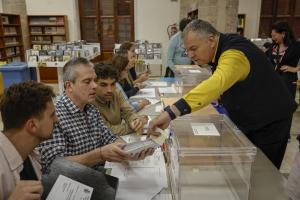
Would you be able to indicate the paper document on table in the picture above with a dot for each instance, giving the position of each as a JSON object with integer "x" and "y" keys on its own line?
{"x": 194, "y": 71}
{"x": 205, "y": 129}
{"x": 153, "y": 101}
{"x": 140, "y": 179}
{"x": 145, "y": 93}
{"x": 158, "y": 84}
{"x": 68, "y": 189}
{"x": 167, "y": 90}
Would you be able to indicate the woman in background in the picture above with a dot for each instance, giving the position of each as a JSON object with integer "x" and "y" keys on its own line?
{"x": 128, "y": 49}
{"x": 121, "y": 64}
{"x": 284, "y": 54}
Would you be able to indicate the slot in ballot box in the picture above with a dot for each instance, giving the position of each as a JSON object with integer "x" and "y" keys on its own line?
{"x": 209, "y": 158}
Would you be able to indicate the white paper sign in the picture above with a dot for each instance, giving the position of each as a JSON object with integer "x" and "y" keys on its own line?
{"x": 68, "y": 189}
{"x": 167, "y": 90}
{"x": 205, "y": 129}
{"x": 195, "y": 71}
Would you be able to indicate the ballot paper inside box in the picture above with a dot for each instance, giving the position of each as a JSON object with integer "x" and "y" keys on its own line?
{"x": 208, "y": 156}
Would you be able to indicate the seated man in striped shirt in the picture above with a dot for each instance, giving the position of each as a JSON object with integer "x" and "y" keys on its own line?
{"x": 81, "y": 134}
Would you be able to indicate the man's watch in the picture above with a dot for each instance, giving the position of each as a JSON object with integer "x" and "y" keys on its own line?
{"x": 170, "y": 112}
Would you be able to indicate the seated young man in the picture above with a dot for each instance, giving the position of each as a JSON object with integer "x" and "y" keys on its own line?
{"x": 28, "y": 117}
{"x": 81, "y": 135}
{"x": 120, "y": 117}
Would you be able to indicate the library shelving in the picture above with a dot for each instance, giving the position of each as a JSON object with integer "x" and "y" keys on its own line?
{"x": 11, "y": 40}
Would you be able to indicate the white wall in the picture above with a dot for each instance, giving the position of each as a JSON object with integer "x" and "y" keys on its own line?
{"x": 152, "y": 18}
{"x": 58, "y": 7}
{"x": 252, "y": 11}
{"x": 1, "y": 7}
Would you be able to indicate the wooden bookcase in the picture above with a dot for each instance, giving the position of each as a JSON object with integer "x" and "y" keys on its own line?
{"x": 11, "y": 40}
{"x": 241, "y": 24}
{"x": 45, "y": 30}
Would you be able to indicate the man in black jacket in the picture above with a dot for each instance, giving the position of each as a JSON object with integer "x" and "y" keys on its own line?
{"x": 255, "y": 97}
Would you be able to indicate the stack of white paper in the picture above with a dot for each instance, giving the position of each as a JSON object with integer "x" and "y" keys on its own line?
{"x": 167, "y": 90}
{"x": 145, "y": 93}
{"x": 158, "y": 84}
{"x": 140, "y": 179}
{"x": 194, "y": 71}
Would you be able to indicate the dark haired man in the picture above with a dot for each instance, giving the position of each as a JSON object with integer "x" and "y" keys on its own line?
{"x": 112, "y": 104}
{"x": 28, "y": 117}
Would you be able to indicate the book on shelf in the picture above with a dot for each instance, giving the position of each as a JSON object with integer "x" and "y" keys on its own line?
{"x": 43, "y": 53}
{"x": 52, "y": 53}
{"x": 41, "y": 39}
{"x": 35, "y": 52}
{"x": 8, "y": 41}
{"x": 36, "y": 30}
{"x": 66, "y": 58}
{"x": 10, "y": 31}
{"x": 50, "y": 30}
{"x": 59, "y": 58}
{"x": 53, "y": 47}
{"x": 5, "y": 19}
{"x": 16, "y": 59}
{"x": 60, "y": 30}
{"x": 52, "y": 20}
{"x": 38, "y": 20}
{"x": 37, "y": 47}
{"x": 32, "y": 58}
{"x": 60, "y": 21}
{"x": 67, "y": 53}
{"x": 12, "y": 51}
{"x": 45, "y": 58}
{"x": 46, "y": 47}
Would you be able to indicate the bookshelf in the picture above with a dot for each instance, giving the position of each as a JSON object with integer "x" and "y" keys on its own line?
{"x": 45, "y": 30}
{"x": 241, "y": 24}
{"x": 11, "y": 40}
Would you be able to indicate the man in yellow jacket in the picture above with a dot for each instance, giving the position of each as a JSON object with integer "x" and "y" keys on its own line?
{"x": 255, "y": 97}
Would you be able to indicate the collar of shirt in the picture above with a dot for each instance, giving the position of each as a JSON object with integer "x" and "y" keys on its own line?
{"x": 214, "y": 58}
{"x": 103, "y": 102}
{"x": 72, "y": 108}
{"x": 13, "y": 157}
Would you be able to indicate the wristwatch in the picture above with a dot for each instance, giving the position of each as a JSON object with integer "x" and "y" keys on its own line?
{"x": 170, "y": 112}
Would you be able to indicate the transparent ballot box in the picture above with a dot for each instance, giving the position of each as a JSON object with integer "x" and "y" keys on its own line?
{"x": 191, "y": 75}
{"x": 209, "y": 158}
